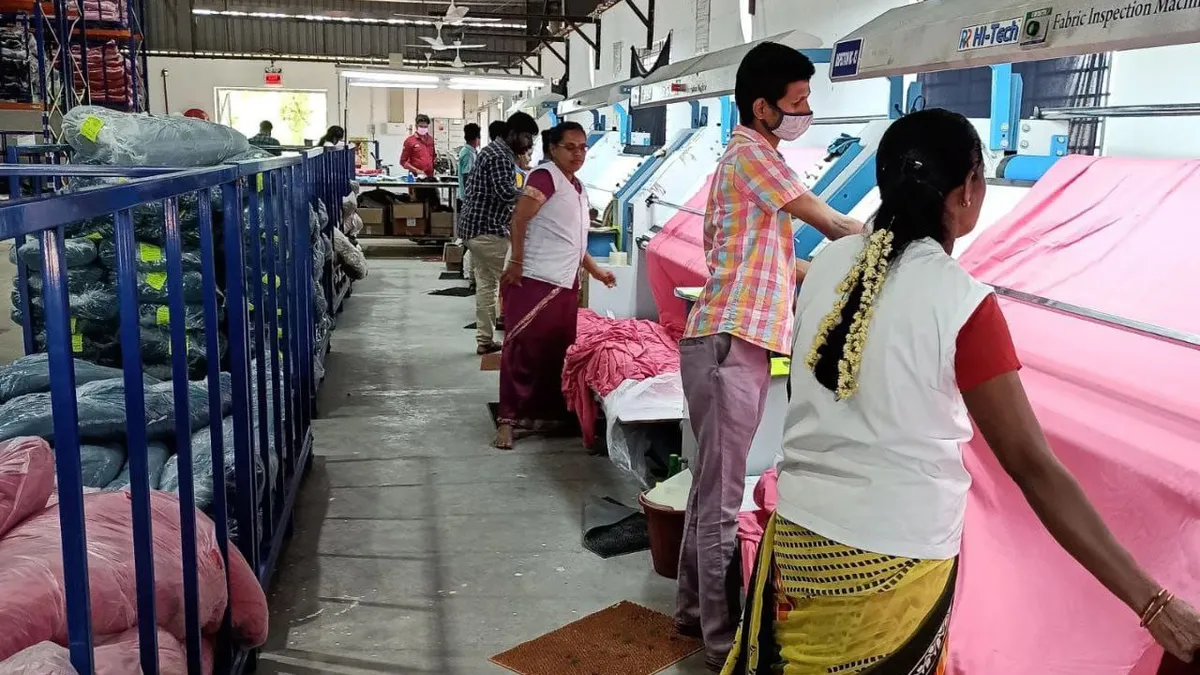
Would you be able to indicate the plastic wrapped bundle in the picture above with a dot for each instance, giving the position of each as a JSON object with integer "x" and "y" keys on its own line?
{"x": 156, "y": 459}
{"x": 77, "y": 277}
{"x": 101, "y": 410}
{"x": 156, "y": 351}
{"x": 150, "y": 257}
{"x": 159, "y": 316}
{"x": 153, "y": 287}
{"x": 94, "y": 301}
{"x": 122, "y": 139}
{"x": 77, "y": 252}
{"x": 149, "y": 220}
{"x": 352, "y": 259}
{"x": 31, "y": 374}
{"x": 89, "y": 341}
{"x": 202, "y": 466}
{"x": 101, "y": 464}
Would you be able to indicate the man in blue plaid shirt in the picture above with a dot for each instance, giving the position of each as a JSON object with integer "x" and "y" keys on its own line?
{"x": 491, "y": 191}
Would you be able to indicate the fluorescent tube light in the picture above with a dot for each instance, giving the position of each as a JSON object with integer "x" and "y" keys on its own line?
{"x": 324, "y": 18}
{"x": 393, "y": 76}
{"x": 391, "y": 85}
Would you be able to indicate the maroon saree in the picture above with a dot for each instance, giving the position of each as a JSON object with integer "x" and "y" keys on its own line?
{"x": 541, "y": 320}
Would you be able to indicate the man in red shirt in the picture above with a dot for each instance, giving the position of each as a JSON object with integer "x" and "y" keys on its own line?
{"x": 417, "y": 155}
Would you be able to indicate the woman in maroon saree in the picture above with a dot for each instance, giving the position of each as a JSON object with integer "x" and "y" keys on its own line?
{"x": 539, "y": 289}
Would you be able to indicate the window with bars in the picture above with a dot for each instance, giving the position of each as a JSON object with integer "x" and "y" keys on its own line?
{"x": 1054, "y": 83}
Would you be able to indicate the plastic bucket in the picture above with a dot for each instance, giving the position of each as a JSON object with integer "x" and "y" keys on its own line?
{"x": 666, "y": 536}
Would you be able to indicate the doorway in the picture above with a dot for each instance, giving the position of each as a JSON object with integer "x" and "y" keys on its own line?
{"x": 298, "y": 114}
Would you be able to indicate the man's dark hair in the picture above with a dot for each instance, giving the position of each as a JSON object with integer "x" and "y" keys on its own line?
{"x": 496, "y": 130}
{"x": 471, "y": 132}
{"x": 265, "y": 127}
{"x": 521, "y": 123}
{"x": 555, "y": 135}
{"x": 766, "y": 72}
{"x": 423, "y": 118}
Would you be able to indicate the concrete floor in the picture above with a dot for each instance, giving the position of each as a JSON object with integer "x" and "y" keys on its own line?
{"x": 418, "y": 548}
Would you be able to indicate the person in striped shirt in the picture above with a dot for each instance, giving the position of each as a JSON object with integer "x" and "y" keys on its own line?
{"x": 742, "y": 317}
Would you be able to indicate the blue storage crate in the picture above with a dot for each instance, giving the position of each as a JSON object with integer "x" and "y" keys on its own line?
{"x": 269, "y": 357}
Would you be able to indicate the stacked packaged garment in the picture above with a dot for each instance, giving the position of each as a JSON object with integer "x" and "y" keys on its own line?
{"x": 90, "y": 293}
{"x": 108, "y": 11}
{"x": 109, "y": 75}
{"x": 18, "y": 65}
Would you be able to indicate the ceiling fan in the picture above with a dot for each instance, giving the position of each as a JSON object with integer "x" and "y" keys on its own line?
{"x": 455, "y": 15}
{"x": 437, "y": 44}
{"x": 459, "y": 63}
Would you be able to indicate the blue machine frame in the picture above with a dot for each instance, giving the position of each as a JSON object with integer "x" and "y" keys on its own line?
{"x": 273, "y": 243}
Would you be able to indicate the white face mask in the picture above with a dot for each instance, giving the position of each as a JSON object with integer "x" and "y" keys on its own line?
{"x": 792, "y": 125}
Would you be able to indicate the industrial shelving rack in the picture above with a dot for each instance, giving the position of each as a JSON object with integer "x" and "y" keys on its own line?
{"x": 77, "y": 52}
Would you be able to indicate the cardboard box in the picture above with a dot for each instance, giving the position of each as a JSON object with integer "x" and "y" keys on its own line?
{"x": 373, "y": 230}
{"x": 405, "y": 210}
{"x": 452, "y": 255}
{"x": 441, "y": 224}
{"x": 372, "y": 216}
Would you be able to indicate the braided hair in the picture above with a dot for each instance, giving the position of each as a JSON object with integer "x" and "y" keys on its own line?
{"x": 921, "y": 159}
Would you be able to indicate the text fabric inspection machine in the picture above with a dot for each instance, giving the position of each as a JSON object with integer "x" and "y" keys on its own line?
{"x": 1102, "y": 306}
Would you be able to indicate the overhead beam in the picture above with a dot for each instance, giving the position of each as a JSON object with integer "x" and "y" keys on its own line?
{"x": 536, "y": 71}
{"x": 639, "y": 14}
{"x": 554, "y": 51}
{"x": 472, "y": 31}
{"x": 528, "y": 16}
{"x": 468, "y": 52}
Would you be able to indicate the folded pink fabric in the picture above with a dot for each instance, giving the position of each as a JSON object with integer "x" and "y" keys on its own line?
{"x": 606, "y": 353}
{"x": 1121, "y": 410}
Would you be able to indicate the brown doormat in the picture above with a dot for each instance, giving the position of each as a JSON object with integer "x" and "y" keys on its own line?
{"x": 625, "y": 639}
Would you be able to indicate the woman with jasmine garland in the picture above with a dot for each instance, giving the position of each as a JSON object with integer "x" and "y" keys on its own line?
{"x": 856, "y": 570}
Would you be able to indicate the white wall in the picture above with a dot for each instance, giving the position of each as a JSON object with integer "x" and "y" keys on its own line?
{"x": 191, "y": 82}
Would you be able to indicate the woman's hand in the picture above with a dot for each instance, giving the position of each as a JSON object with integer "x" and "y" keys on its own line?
{"x": 605, "y": 277}
{"x": 513, "y": 273}
{"x": 1177, "y": 629}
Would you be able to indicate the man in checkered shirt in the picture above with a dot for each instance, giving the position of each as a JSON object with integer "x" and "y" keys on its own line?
{"x": 491, "y": 191}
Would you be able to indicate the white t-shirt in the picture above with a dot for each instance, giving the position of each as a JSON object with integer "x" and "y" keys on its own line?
{"x": 883, "y": 471}
{"x": 556, "y": 237}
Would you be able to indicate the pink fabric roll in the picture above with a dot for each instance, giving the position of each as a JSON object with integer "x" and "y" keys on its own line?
{"x": 1121, "y": 410}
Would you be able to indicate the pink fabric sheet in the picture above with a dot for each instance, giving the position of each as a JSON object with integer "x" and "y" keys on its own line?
{"x": 1121, "y": 410}
{"x": 675, "y": 258}
{"x": 32, "y": 594}
{"x": 606, "y": 353}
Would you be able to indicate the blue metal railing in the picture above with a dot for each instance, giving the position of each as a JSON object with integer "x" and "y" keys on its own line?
{"x": 263, "y": 305}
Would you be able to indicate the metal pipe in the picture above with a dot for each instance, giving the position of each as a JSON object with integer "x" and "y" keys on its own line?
{"x": 853, "y": 119}
{"x": 686, "y": 209}
{"x": 1156, "y": 110}
{"x": 1103, "y": 318}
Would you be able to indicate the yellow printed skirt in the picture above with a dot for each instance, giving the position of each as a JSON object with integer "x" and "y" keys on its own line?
{"x": 817, "y": 607}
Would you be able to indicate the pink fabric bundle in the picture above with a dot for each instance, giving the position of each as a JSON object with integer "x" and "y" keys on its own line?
{"x": 109, "y": 76}
{"x": 32, "y": 595}
{"x": 675, "y": 258}
{"x": 1120, "y": 410}
{"x": 753, "y": 524}
{"x": 606, "y": 353}
{"x": 112, "y": 11}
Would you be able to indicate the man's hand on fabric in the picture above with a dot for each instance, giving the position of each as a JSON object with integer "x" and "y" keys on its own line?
{"x": 513, "y": 273}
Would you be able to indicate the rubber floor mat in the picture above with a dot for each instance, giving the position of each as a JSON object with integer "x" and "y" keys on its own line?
{"x": 625, "y": 639}
{"x": 456, "y": 291}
